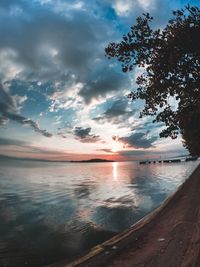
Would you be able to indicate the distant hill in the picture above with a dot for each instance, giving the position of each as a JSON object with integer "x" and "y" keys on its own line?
{"x": 92, "y": 160}
{"x": 4, "y": 157}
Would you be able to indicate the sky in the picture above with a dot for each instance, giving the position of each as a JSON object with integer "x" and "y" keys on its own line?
{"x": 60, "y": 97}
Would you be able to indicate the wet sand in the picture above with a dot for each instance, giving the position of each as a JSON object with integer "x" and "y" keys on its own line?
{"x": 169, "y": 237}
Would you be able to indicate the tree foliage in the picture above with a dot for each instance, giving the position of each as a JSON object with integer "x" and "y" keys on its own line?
{"x": 171, "y": 59}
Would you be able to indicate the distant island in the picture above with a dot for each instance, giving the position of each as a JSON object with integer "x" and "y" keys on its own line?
{"x": 5, "y": 157}
{"x": 91, "y": 161}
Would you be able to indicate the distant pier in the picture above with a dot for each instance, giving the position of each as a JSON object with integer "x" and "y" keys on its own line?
{"x": 168, "y": 160}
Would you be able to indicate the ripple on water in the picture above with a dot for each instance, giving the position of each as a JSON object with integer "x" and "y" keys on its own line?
{"x": 50, "y": 212}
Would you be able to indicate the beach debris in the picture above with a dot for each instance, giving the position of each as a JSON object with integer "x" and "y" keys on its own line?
{"x": 107, "y": 252}
{"x": 161, "y": 239}
{"x": 114, "y": 247}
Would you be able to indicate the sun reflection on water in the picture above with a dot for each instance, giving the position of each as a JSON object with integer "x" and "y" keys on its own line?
{"x": 115, "y": 170}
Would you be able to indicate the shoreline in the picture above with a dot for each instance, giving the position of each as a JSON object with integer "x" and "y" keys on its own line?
{"x": 167, "y": 237}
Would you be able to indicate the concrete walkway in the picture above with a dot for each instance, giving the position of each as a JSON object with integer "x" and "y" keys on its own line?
{"x": 170, "y": 237}
{"x": 173, "y": 239}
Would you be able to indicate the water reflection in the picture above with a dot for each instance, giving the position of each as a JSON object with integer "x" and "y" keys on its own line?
{"x": 60, "y": 210}
{"x": 115, "y": 170}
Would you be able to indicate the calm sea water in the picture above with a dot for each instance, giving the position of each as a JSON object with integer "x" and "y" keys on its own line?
{"x": 51, "y": 212}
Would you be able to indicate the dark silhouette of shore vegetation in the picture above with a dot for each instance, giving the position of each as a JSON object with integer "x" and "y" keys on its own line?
{"x": 171, "y": 61}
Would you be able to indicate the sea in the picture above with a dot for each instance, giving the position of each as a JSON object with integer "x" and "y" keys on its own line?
{"x": 52, "y": 212}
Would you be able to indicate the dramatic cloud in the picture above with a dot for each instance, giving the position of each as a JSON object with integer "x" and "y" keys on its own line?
{"x": 54, "y": 74}
{"x": 9, "y": 110}
{"x": 59, "y": 43}
{"x": 84, "y": 135}
{"x": 137, "y": 140}
{"x": 51, "y": 49}
{"x": 106, "y": 80}
{"x": 118, "y": 113}
{"x": 28, "y": 122}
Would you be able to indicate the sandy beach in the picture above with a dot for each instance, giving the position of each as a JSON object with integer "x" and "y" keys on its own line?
{"x": 169, "y": 237}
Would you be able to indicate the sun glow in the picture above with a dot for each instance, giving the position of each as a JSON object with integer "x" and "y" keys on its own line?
{"x": 114, "y": 149}
{"x": 115, "y": 170}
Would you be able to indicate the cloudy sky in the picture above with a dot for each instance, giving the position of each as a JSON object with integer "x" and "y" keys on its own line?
{"x": 60, "y": 97}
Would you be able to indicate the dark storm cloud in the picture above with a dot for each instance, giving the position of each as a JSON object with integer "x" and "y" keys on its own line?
{"x": 52, "y": 43}
{"x": 46, "y": 40}
{"x": 48, "y": 45}
{"x": 118, "y": 108}
{"x": 81, "y": 132}
{"x": 105, "y": 80}
{"x": 9, "y": 111}
{"x": 137, "y": 140}
{"x": 117, "y": 113}
{"x": 84, "y": 135}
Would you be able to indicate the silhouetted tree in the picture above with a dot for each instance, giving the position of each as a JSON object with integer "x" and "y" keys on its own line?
{"x": 190, "y": 129}
{"x": 171, "y": 61}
